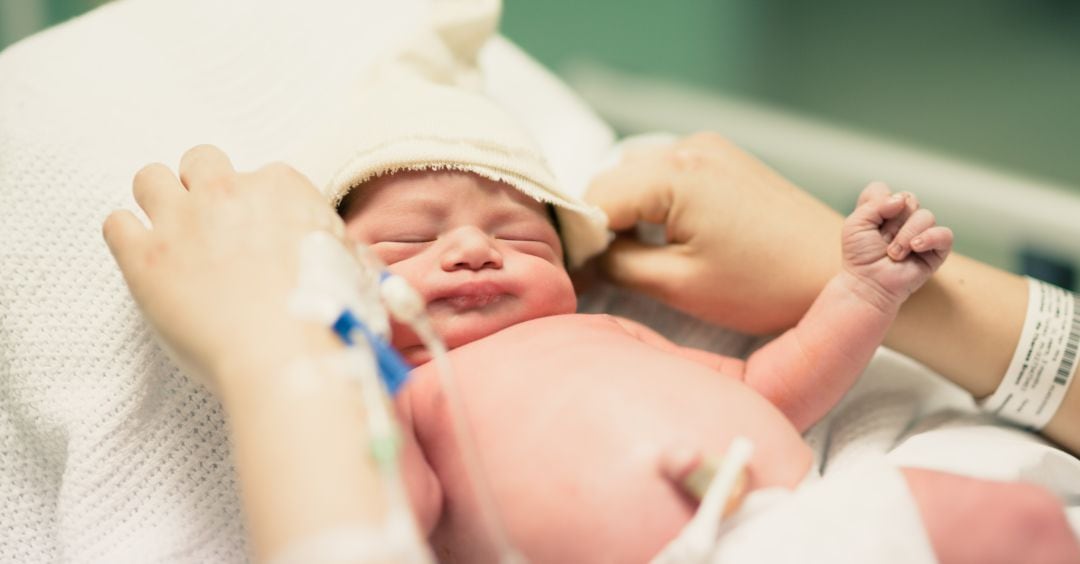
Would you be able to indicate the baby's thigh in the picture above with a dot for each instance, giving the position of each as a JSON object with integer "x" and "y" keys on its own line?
{"x": 972, "y": 520}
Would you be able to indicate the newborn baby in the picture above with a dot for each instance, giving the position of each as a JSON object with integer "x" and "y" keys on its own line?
{"x": 575, "y": 417}
{"x": 572, "y": 414}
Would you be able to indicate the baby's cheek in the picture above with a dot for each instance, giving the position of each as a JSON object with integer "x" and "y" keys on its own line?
{"x": 406, "y": 268}
{"x": 558, "y": 296}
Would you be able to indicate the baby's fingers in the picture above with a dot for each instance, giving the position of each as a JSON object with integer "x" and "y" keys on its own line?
{"x": 933, "y": 245}
{"x": 892, "y": 226}
{"x": 875, "y": 212}
{"x": 938, "y": 238}
{"x": 876, "y": 190}
{"x": 917, "y": 224}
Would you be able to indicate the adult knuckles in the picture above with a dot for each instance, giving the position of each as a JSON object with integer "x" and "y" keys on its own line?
{"x": 198, "y": 151}
{"x": 280, "y": 169}
{"x": 224, "y": 184}
{"x": 709, "y": 140}
{"x": 147, "y": 172}
{"x": 283, "y": 176}
{"x": 699, "y": 150}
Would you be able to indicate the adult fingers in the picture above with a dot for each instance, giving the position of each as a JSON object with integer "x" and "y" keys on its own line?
{"x": 919, "y": 222}
{"x": 637, "y": 190}
{"x": 645, "y": 268}
{"x": 285, "y": 179}
{"x": 284, "y": 183}
{"x": 204, "y": 166}
{"x": 156, "y": 189}
{"x": 646, "y": 145}
{"x": 126, "y": 237}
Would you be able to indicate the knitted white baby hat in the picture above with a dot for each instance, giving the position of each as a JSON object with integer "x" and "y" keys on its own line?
{"x": 401, "y": 120}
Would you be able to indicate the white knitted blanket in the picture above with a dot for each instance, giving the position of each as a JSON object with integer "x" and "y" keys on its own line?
{"x": 107, "y": 452}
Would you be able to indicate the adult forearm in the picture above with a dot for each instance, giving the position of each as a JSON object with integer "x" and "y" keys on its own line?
{"x": 965, "y": 324}
{"x": 299, "y": 445}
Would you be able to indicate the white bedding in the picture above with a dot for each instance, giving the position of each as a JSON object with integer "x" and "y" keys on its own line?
{"x": 107, "y": 452}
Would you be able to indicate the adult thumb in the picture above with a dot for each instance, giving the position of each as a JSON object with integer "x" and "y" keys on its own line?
{"x": 650, "y": 269}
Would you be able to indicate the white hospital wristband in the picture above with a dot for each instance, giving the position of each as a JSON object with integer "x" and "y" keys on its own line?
{"x": 1044, "y": 363}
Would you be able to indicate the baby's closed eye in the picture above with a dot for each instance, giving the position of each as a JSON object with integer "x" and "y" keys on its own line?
{"x": 406, "y": 239}
{"x": 400, "y": 247}
{"x": 538, "y": 244}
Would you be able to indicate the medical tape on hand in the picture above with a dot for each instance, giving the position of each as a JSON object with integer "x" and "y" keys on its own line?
{"x": 1044, "y": 364}
{"x": 343, "y": 290}
{"x": 330, "y": 280}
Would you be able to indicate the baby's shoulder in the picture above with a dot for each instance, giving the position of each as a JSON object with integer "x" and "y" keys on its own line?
{"x": 582, "y": 322}
{"x": 570, "y": 328}
{"x": 619, "y": 329}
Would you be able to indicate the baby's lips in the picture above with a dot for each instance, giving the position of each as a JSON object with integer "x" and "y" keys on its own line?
{"x": 470, "y": 301}
{"x": 466, "y": 288}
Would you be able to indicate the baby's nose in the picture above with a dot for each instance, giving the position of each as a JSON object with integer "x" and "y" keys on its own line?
{"x": 470, "y": 248}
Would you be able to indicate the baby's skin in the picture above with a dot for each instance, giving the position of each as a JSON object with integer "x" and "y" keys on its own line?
{"x": 573, "y": 414}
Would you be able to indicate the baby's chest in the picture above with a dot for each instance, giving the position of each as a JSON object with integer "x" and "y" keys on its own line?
{"x": 566, "y": 405}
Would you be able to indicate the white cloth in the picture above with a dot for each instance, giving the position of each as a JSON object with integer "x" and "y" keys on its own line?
{"x": 422, "y": 109}
{"x": 901, "y": 410}
{"x": 107, "y": 452}
{"x": 861, "y": 513}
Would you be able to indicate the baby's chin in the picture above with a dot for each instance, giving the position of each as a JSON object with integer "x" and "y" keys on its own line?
{"x": 416, "y": 355}
{"x": 460, "y": 330}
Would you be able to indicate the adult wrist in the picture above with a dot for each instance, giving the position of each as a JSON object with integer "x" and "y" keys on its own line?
{"x": 253, "y": 365}
{"x": 1043, "y": 365}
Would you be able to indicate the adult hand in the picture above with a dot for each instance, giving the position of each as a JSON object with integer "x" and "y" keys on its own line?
{"x": 214, "y": 271}
{"x": 745, "y": 248}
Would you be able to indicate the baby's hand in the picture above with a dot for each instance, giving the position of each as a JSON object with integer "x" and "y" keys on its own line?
{"x": 892, "y": 245}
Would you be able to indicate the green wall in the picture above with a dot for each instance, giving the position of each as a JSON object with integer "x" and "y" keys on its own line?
{"x": 994, "y": 81}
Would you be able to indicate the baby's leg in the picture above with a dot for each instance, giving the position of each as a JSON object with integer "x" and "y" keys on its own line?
{"x": 972, "y": 520}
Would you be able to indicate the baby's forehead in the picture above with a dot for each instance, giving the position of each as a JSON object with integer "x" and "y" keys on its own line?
{"x": 420, "y": 188}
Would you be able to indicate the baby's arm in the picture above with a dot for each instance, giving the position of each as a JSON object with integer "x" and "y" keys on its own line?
{"x": 890, "y": 248}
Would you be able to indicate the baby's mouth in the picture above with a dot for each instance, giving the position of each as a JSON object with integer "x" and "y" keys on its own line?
{"x": 467, "y": 302}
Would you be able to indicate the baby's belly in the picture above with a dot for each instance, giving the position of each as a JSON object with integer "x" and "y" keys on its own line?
{"x": 569, "y": 415}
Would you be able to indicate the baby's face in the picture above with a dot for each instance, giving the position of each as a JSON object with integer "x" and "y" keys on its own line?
{"x": 483, "y": 255}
